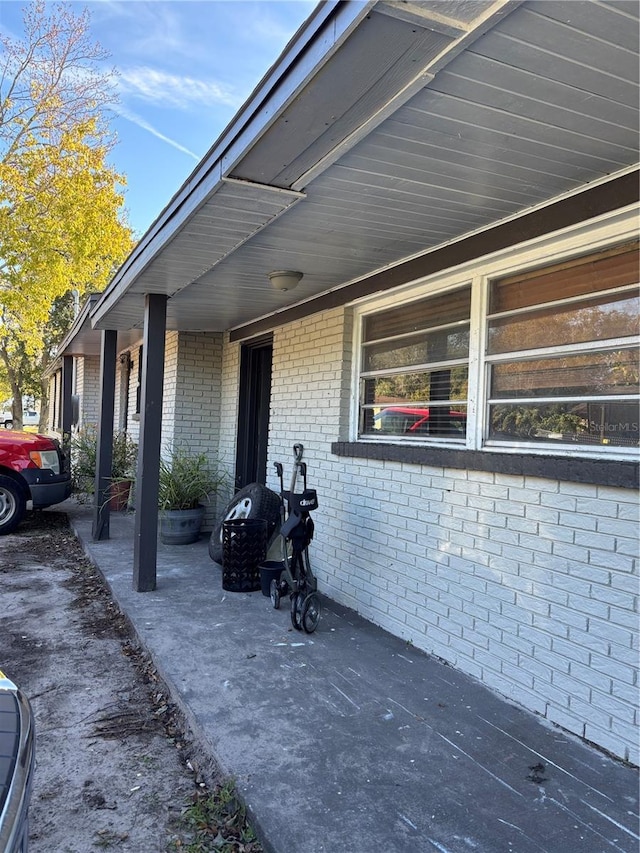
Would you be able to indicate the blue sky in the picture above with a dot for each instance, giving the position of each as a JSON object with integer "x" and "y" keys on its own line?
{"x": 185, "y": 67}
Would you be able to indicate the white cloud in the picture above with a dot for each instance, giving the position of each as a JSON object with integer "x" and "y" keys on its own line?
{"x": 145, "y": 26}
{"x": 136, "y": 119}
{"x": 173, "y": 90}
{"x": 263, "y": 26}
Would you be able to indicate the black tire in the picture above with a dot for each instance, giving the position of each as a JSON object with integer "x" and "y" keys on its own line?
{"x": 296, "y": 610}
{"x": 253, "y": 501}
{"x": 274, "y": 594}
{"x": 8, "y": 424}
{"x": 13, "y": 505}
{"x": 310, "y": 614}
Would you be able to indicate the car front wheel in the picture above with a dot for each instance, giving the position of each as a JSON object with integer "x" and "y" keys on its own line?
{"x": 12, "y": 505}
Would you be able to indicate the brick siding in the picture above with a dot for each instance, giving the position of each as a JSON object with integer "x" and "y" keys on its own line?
{"x": 195, "y": 364}
{"x": 88, "y": 389}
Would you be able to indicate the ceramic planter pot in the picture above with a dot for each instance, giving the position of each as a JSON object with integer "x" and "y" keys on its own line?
{"x": 181, "y": 526}
{"x": 119, "y": 495}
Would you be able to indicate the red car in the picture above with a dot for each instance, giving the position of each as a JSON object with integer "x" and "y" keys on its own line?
{"x": 405, "y": 420}
{"x": 32, "y": 468}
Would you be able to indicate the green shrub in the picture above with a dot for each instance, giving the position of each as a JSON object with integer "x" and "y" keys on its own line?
{"x": 84, "y": 452}
{"x": 187, "y": 479}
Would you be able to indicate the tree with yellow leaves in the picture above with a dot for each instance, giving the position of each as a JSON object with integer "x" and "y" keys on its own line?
{"x": 62, "y": 224}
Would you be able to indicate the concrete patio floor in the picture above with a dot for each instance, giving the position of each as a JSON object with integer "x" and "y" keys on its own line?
{"x": 349, "y": 740}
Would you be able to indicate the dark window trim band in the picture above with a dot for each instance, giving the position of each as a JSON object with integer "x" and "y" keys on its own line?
{"x": 586, "y": 205}
{"x": 598, "y": 472}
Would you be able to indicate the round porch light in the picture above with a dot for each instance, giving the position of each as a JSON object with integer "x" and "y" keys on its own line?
{"x": 284, "y": 279}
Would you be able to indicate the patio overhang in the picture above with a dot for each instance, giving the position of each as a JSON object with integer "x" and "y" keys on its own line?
{"x": 83, "y": 341}
{"x": 386, "y": 130}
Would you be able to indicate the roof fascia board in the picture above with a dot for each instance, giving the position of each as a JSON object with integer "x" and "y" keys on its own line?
{"x": 309, "y": 49}
{"x": 291, "y": 80}
{"x": 53, "y": 367}
{"x": 80, "y": 322}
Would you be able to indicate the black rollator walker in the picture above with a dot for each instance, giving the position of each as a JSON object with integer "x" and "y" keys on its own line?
{"x": 297, "y": 579}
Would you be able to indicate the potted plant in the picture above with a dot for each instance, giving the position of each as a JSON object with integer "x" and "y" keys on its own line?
{"x": 123, "y": 469}
{"x": 84, "y": 447}
{"x": 187, "y": 481}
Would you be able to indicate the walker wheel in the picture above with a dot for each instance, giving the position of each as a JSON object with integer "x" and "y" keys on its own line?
{"x": 296, "y": 611}
{"x": 310, "y": 613}
{"x": 274, "y": 594}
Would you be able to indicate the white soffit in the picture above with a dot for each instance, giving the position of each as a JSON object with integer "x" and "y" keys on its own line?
{"x": 230, "y": 217}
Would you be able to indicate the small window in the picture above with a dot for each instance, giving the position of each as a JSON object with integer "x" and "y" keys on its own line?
{"x": 415, "y": 369}
{"x": 562, "y": 353}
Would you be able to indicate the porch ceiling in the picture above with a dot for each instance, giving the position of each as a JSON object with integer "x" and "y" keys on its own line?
{"x": 420, "y": 123}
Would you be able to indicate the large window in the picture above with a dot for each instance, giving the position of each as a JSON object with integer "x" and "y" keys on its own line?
{"x": 557, "y": 355}
{"x": 415, "y": 369}
{"x": 562, "y": 353}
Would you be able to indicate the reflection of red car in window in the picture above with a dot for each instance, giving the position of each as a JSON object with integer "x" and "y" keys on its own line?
{"x": 404, "y": 420}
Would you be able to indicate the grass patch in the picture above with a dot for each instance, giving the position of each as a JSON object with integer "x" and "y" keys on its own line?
{"x": 215, "y": 822}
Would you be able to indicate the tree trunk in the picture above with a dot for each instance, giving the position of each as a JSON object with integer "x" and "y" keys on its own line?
{"x": 43, "y": 423}
{"x": 16, "y": 406}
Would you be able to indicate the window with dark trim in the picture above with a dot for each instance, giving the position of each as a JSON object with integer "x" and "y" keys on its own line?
{"x": 562, "y": 353}
{"x": 415, "y": 369}
{"x": 555, "y": 356}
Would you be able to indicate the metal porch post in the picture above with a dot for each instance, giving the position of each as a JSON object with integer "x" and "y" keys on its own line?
{"x": 104, "y": 453}
{"x": 145, "y": 544}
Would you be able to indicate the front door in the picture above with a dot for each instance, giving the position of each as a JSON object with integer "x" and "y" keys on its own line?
{"x": 253, "y": 412}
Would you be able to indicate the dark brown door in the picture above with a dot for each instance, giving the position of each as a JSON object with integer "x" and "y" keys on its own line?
{"x": 253, "y": 412}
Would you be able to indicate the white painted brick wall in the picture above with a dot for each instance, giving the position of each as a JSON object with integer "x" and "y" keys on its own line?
{"x": 229, "y": 384}
{"x": 87, "y": 386}
{"x": 133, "y": 418}
{"x": 191, "y": 396}
{"x": 528, "y": 584}
{"x": 88, "y": 389}
{"x": 118, "y": 391}
{"x": 197, "y": 383}
{"x": 171, "y": 352}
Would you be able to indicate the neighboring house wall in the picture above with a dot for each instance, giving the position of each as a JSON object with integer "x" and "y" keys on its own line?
{"x": 88, "y": 389}
{"x": 192, "y": 398}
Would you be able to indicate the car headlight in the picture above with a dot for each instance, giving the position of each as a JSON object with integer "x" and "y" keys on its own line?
{"x": 46, "y": 459}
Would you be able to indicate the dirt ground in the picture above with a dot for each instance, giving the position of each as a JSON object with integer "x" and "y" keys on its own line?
{"x": 116, "y": 768}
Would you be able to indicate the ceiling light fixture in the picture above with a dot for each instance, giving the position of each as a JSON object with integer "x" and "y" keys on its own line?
{"x": 284, "y": 279}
